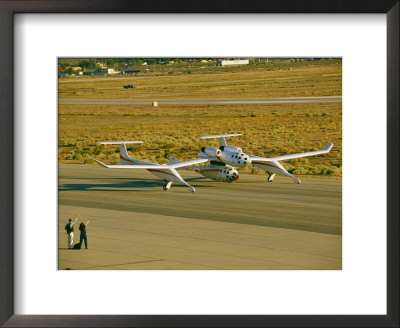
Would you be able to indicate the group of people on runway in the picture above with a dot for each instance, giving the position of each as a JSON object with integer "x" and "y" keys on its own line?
{"x": 69, "y": 227}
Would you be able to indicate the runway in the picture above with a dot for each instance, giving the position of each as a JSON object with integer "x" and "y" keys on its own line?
{"x": 250, "y": 224}
{"x": 200, "y": 101}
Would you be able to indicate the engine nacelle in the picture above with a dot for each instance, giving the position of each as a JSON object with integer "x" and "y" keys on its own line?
{"x": 231, "y": 149}
{"x": 213, "y": 152}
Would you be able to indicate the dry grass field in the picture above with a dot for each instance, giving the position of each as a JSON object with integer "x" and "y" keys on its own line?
{"x": 267, "y": 129}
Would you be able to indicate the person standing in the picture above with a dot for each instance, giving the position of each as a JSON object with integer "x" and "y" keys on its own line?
{"x": 70, "y": 231}
{"x": 83, "y": 237}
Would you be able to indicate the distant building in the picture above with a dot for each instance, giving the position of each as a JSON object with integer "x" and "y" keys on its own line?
{"x": 106, "y": 71}
{"x": 131, "y": 71}
{"x": 94, "y": 73}
{"x": 76, "y": 68}
{"x": 232, "y": 62}
{"x": 62, "y": 74}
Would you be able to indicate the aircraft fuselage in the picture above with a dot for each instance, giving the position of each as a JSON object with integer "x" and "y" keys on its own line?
{"x": 229, "y": 155}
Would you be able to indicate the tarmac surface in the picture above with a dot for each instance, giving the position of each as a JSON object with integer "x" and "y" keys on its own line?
{"x": 247, "y": 225}
{"x": 200, "y": 101}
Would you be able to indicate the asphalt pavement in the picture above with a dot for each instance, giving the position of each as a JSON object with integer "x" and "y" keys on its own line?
{"x": 247, "y": 225}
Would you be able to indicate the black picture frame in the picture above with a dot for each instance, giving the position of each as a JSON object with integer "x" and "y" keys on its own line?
{"x": 7, "y": 11}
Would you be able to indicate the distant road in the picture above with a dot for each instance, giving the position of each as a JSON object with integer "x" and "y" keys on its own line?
{"x": 202, "y": 101}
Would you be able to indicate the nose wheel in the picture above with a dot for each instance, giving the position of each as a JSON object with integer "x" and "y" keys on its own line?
{"x": 167, "y": 185}
{"x": 271, "y": 176}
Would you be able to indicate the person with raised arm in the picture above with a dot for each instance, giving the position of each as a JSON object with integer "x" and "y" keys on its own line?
{"x": 70, "y": 231}
{"x": 83, "y": 237}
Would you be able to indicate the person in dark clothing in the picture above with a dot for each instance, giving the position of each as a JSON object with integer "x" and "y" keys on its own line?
{"x": 83, "y": 237}
{"x": 70, "y": 231}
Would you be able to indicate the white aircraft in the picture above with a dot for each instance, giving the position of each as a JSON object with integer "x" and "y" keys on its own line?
{"x": 167, "y": 172}
{"x": 225, "y": 159}
{"x": 224, "y": 162}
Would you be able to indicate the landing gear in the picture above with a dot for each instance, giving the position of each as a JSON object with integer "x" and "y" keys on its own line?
{"x": 167, "y": 185}
{"x": 271, "y": 176}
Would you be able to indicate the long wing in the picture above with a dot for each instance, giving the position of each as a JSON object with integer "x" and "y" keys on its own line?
{"x": 154, "y": 166}
{"x": 325, "y": 150}
{"x": 166, "y": 172}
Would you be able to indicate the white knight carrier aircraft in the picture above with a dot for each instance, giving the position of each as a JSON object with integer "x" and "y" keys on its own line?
{"x": 223, "y": 166}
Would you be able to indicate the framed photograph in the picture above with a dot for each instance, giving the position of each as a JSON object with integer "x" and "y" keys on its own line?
{"x": 146, "y": 115}
{"x": 277, "y": 92}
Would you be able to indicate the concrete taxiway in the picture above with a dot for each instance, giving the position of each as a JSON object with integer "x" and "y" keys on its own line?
{"x": 200, "y": 101}
{"x": 250, "y": 224}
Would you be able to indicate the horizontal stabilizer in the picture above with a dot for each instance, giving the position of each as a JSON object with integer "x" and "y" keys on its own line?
{"x": 120, "y": 142}
{"x": 221, "y": 136}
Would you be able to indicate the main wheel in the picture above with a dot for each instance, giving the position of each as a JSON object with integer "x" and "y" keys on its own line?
{"x": 271, "y": 177}
{"x": 167, "y": 185}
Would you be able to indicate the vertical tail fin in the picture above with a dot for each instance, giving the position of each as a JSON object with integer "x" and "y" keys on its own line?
{"x": 123, "y": 154}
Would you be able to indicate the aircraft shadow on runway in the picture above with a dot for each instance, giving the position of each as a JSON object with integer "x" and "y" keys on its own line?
{"x": 127, "y": 185}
